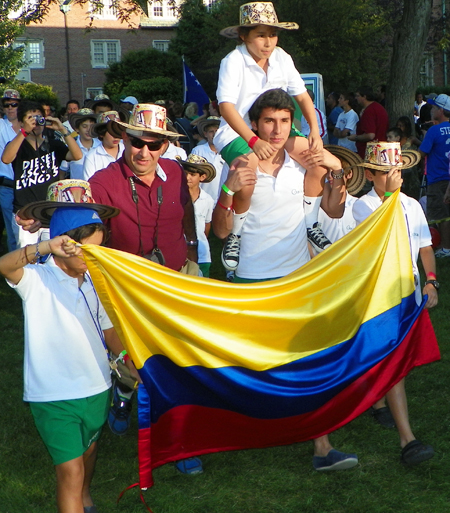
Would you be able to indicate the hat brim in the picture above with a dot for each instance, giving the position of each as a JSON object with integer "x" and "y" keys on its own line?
{"x": 43, "y": 210}
{"x": 205, "y": 169}
{"x": 350, "y": 161}
{"x": 117, "y": 127}
{"x": 201, "y": 125}
{"x": 93, "y": 103}
{"x": 76, "y": 119}
{"x": 410, "y": 159}
{"x": 232, "y": 32}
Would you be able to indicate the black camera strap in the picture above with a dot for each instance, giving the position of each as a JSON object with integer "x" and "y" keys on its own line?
{"x": 135, "y": 198}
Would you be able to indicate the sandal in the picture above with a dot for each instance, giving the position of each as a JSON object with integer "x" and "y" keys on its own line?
{"x": 415, "y": 452}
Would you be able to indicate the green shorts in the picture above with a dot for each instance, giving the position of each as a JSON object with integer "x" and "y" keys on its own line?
{"x": 251, "y": 280}
{"x": 68, "y": 428}
{"x": 204, "y": 268}
{"x": 238, "y": 147}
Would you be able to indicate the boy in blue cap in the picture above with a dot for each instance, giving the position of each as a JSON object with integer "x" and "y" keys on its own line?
{"x": 67, "y": 332}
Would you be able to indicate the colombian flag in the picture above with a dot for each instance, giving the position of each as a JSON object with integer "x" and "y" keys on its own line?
{"x": 232, "y": 366}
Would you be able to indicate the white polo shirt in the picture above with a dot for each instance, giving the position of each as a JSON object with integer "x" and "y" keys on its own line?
{"x": 336, "y": 228}
{"x": 416, "y": 224}
{"x": 213, "y": 187}
{"x": 98, "y": 158}
{"x": 75, "y": 167}
{"x": 273, "y": 239}
{"x": 241, "y": 81}
{"x": 203, "y": 208}
{"x": 64, "y": 355}
{"x": 347, "y": 120}
{"x": 7, "y": 134}
{"x": 173, "y": 151}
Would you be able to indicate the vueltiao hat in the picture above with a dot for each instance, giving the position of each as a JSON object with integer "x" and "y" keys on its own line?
{"x": 381, "y": 156}
{"x": 146, "y": 119}
{"x": 198, "y": 164}
{"x": 75, "y": 194}
{"x": 350, "y": 161}
{"x": 11, "y": 94}
{"x": 78, "y": 117}
{"x": 100, "y": 98}
{"x": 257, "y": 13}
{"x": 203, "y": 123}
{"x": 101, "y": 123}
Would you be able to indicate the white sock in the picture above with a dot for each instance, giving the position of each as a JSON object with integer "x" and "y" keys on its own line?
{"x": 311, "y": 206}
{"x": 238, "y": 222}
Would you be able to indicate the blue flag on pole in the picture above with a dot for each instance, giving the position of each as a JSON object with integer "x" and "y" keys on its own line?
{"x": 193, "y": 91}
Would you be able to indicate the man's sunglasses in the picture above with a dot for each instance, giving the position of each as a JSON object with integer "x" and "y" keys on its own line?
{"x": 152, "y": 146}
{"x": 6, "y": 105}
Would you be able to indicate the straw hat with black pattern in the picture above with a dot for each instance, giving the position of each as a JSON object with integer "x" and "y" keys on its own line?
{"x": 382, "y": 156}
{"x": 11, "y": 94}
{"x": 77, "y": 118}
{"x": 146, "y": 119}
{"x": 203, "y": 123}
{"x": 350, "y": 161}
{"x": 254, "y": 14}
{"x": 197, "y": 164}
{"x": 101, "y": 99}
{"x": 103, "y": 120}
{"x": 65, "y": 193}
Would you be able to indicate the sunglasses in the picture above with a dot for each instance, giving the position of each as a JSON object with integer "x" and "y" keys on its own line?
{"x": 152, "y": 146}
{"x": 6, "y": 105}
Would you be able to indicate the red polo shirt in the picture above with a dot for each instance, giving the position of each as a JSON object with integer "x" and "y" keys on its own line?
{"x": 374, "y": 120}
{"x": 111, "y": 186}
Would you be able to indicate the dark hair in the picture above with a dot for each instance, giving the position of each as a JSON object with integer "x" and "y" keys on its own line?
{"x": 83, "y": 232}
{"x": 397, "y": 131}
{"x": 335, "y": 96}
{"x": 275, "y": 99}
{"x": 407, "y": 132}
{"x": 73, "y": 101}
{"x": 245, "y": 31}
{"x": 367, "y": 91}
{"x": 350, "y": 97}
{"x": 446, "y": 113}
{"x": 27, "y": 105}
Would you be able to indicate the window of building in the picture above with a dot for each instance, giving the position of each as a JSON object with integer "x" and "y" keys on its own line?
{"x": 427, "y": 70}
{"x": 163, "y": 9}
{"x": 92, "y": 92}
{"x": 33, "y": 52}
{"x": 107, "y": 12}
{"x": 104, "y": 52}
{"x": 25, "y": 7}
{"x": 162, "y": 46}
{"x": 210, "y": 4}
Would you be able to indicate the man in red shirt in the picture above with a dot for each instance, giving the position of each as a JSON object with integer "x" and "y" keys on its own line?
{"x": 373, "y": 123}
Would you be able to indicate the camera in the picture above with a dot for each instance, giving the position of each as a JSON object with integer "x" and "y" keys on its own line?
{"x": 41, "y": 121}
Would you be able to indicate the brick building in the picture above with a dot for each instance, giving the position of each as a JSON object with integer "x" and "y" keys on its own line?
{"x": 60, "y": 51}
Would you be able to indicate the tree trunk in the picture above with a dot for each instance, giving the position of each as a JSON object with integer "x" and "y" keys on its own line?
{"x": 409, "y": 43}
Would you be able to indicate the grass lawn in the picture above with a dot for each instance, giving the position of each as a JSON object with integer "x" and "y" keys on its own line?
{"x": 276, "y": 480}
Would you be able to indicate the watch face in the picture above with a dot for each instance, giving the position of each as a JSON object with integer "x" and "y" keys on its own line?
{"x": 435, "y": 283}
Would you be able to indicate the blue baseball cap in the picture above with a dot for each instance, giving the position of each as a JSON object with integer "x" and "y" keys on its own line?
{"x": 68, "y": 218}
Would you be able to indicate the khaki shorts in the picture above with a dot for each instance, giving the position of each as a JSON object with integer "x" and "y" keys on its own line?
{"x": 68, "y": 428}
{"x": 437, "y": 210}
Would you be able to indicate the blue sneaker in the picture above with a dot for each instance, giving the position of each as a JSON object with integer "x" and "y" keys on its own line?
{"x": 190, "y": 466}
{"x": 335, "y": 460}
{"x": 119, "y": 414}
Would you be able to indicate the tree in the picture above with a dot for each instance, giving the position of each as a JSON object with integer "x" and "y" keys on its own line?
{"x": 409, "y": 42}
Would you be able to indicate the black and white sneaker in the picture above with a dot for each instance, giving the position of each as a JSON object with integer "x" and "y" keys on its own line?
{"x": 317, "y": 238}
{"x": 230, "y": 252}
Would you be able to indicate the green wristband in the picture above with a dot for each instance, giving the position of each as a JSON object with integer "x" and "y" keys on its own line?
{"x": 387, "y": 194}
{"x": 227, "y": 190}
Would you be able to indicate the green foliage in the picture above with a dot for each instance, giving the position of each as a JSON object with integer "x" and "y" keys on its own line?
{"x": 36, "y": 92}
{"x": 141, "y": 68}
{"x": 345, "y": 41}
{"x": 153, "y": 89}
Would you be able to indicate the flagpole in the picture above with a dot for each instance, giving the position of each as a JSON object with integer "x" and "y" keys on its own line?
{"x": 184, "y": 81}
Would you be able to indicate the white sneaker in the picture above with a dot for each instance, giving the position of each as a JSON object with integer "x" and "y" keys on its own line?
{"x": 442, "y": 253}
{"x": 230, "y": 252}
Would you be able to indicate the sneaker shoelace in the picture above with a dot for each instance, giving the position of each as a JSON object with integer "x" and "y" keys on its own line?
{"x": 317, "y": 235}
{"x": 232, "y": 248}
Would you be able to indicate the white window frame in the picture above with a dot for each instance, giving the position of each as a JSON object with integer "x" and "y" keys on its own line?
{"x": 27, "y": 5}
{"x": 29, "y": 44}
{"x": 92, "y": 92}
{"x": 167, "y": 9}
{"x": 161, "y": 45}
{"x": 107, "y": 13}
{"x": 105, "y": 63}
{"x": 427, "y": 70}
{"x": 210, "y": 4}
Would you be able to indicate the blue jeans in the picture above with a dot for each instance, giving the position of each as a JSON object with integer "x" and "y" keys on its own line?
{"x": 6, "y": 206}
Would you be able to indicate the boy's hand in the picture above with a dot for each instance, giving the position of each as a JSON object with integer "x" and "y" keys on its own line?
{"x": 63, "y": 246}
{"x": 394, "y": 179}
{"x": 242, "y": 172}
{"x": 432, "y": 295}
{"x": 56, "y": 124}
{"x": 29, "y": 225}
{"x": 322, "y": 158}
{"x": 29, "y": 124}
{"x": 315, "y": 142}
{"x": 262, "y": 149}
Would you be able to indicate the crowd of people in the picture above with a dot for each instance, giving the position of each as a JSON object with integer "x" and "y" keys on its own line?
{"x": 152, "y": 178}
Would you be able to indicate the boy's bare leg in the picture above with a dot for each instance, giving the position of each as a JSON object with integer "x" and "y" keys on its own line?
{"x": 398, "y": 405}
{"x": 73, "y": 482}
{"x": 322, "y": 446}
{"x": 90, "y": 458}
{"x": 69, "y": 479}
